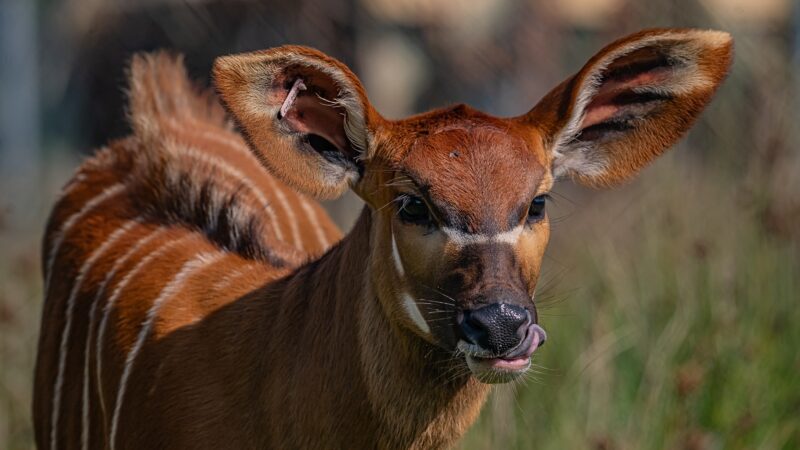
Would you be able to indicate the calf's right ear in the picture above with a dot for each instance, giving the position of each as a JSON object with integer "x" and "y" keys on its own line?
{"x": 305, "y": 115}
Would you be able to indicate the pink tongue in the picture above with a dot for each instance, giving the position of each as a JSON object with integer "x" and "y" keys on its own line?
{"x": 534, "y": 343}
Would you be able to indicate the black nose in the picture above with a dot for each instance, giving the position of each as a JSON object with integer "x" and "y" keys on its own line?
{"x": 497, "y": 328}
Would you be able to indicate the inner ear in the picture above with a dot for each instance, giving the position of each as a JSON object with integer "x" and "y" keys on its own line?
{"x": 309, "y": 108}
{"x": 630, "y": 88}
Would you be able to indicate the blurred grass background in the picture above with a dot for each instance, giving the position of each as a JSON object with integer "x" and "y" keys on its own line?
{"x": 671, "y": 303}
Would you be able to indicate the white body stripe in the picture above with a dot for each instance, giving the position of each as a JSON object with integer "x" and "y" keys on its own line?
{"x": 113, "y": 299}
{"x": 109, "y": 276}
{"x": 92, "y": 312}
{"x": 70, "y": 222}
{"x": 314, "y": 222}
{"x": 290, "y": 216}
{"x": 279, "y": 194}
{"x": 200, "y": 261}
{"x": 227, "y": 279}
{"x": 69, "y": 313}
{"x": 461, "y": 239}
{"x": 71, "y": 185}
{"x": 239, "y": 175}
{"x": 413, "y": 311}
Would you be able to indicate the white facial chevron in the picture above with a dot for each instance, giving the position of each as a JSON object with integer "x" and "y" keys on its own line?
{"x": 409, "y": 303}
{"x": 461, "y": 238}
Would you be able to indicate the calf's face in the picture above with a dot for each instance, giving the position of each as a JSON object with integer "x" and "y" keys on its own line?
{"x": 463, "y": 214}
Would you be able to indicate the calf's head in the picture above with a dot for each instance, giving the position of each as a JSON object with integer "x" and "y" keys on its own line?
{"x": 458, "y": 197}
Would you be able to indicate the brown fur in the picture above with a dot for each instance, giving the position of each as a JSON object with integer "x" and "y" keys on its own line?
{"x": 231, "y": 324}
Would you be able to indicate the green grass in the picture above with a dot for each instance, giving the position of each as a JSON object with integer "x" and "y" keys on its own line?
{"x": 672, "y": 316}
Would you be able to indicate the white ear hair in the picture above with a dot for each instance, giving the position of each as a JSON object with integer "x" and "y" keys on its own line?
{"x": 572, "y": 155}
{"x": 630, "y": 102}
{"x": 355, "y": 125}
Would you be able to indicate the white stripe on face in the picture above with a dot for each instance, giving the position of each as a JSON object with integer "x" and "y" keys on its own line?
{"x": 409, "y": 304}
{"x": 398, "y": 263}
{"x": 462, "y": 239}
{"x": 414, "y": 313}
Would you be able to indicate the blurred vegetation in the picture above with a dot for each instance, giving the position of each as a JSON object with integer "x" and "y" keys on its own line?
{"x": 670, "y": 303}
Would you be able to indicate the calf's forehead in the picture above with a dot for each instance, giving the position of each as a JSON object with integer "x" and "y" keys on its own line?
{"x": 479, "y": 177}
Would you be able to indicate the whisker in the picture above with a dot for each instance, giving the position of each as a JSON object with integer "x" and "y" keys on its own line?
{"x": 440, "y": 292}
{"x": 437, "y": 302}
{"x": 448, "y": 314}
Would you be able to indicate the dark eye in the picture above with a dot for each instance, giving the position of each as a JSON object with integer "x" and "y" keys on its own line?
{"x": 536, "y": 210}
{"x": 414, "y": 210}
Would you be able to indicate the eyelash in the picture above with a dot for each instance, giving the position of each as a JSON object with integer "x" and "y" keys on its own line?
{"x": 406, "y": 215}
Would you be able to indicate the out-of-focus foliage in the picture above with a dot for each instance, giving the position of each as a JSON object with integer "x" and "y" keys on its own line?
{"x": 670, "y": 303}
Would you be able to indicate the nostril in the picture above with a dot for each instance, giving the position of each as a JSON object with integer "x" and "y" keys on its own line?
{"x": 473, "y": 329}
{"x": 474, "y": 321}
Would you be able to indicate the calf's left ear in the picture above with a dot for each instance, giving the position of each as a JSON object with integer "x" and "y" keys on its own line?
{"x": 630, "y": 102}
{"x": 305, "y": 115}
